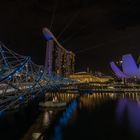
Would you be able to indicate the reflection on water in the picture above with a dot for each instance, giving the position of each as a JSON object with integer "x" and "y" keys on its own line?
{"x": 46, "y": 119}
{"x": 91, "y": 100}
{"x": 67, "y": 97}
{"x": 63, "y": 121}
{"x": 100, "y": 116}
{"x": 48, "y": 115}
{"x": 89, "y": 116}
{"x": 130, "y": 108}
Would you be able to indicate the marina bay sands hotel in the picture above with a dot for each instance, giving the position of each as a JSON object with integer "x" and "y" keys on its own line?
{"x": 58, "y": 60}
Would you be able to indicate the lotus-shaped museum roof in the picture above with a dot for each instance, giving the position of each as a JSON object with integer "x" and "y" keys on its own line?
{"x": 130, "y": 69}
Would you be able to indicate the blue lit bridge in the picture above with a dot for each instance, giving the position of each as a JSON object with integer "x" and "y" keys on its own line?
{"x": 21, "y": 80}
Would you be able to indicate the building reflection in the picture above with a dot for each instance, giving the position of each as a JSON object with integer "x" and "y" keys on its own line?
{"x": 128, "y": 111}
{"x": 126, "y": 103}
{"x": 89, "y": 101}
{"x": 94, "y": 98}
{"x": 67, "y": 97}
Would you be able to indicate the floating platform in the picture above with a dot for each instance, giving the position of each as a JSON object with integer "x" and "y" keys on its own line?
{"x": 51, "y": 104}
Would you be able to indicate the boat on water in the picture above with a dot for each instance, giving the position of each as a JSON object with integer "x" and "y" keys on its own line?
{"x": 53, "y": 104}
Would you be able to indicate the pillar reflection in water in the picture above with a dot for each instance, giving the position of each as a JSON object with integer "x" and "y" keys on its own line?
{"x": 46, "y": 119}
{"x": 64, "y": 120}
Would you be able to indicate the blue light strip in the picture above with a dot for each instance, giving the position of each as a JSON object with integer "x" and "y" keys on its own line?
{"x": 19, "y": 68}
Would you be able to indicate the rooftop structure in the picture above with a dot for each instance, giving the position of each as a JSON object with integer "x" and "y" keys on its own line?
{"x": 129, "y": 68}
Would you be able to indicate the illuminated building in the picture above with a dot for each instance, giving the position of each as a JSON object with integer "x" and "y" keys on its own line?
{"x": 58, "y": 60}
{"x": 129, "y": 68}
{"x": 85, "y": 77}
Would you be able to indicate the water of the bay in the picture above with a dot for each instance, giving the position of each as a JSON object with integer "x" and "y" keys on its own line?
{"x": 97, "y": 116}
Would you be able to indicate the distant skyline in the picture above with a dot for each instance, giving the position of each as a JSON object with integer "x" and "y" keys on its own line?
{"x": 97, "y": 31}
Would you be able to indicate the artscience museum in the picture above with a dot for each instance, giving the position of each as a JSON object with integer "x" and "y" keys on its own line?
{"x": 128, "y": 69}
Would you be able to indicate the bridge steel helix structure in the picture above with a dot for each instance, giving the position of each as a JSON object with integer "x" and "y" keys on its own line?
{"x": 21, "y": 80}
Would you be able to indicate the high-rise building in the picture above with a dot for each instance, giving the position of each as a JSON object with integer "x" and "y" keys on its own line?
{"x": 58, "y": 60}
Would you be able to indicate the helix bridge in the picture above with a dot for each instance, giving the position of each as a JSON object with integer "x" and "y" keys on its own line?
{"x": 21, "y": 80}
